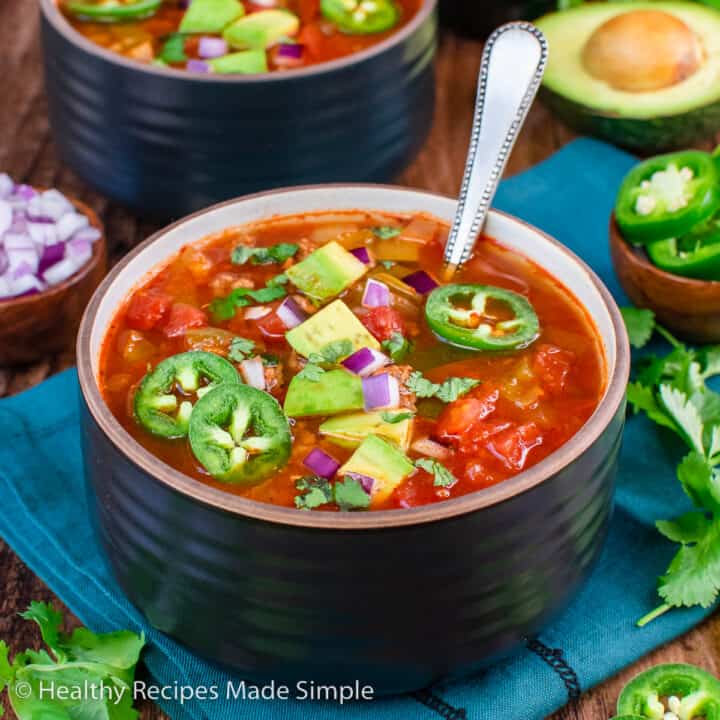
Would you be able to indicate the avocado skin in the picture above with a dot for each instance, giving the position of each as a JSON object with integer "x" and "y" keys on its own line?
{"x": 673, "y": 132}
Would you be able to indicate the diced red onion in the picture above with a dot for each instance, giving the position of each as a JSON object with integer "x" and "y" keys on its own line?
{"x": 212, "y": 47}
{"x": 366, "y": 361}
{"x": 26, "y": 285}
{"x": 89, "y": 234}
{"x": 6, "y": 217}
{"x": 42, "y": 234}
{"x": 69, "y": 224}
{"x": 267, "y": 3}
{"x": 321, "y": 463}
{"x": 78, "y": 250}
{"x": 362, "y": 254}
{"x": 59, "y": 272}
{"x": 3, "y": 263}
{"x": 197, "y": 66}
{"x": 24, "y": 192}
{"x": 292, "y": 51}
{"x": 376, "y": 294}
{"x": 291, "y": 313}
{"x": 366, "y": 482}
{"x": 51, "y": 255}
{"x": 256, "y": 312}
{"x": 6, "y": 185}
{"x": 381, "y": 391}
{"x": 253, "y": 372}
{"x": 420, "y": 281}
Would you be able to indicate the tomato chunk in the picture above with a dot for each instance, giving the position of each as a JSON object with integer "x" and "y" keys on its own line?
{"x": 272, "y": 327}
{"x": 459, "y": 417}
{"x": 183, "y": 317}
{"x": 512, "y": 446}
{"x": 383, "y": 322}
{"x": 147, "y": 309}
{"x": 552, "y": 365}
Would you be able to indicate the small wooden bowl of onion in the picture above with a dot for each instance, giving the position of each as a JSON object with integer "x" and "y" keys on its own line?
{"x": 52, "y": 257}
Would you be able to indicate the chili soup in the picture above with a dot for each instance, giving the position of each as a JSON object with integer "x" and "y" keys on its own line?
{"x": 317, "y": 361}
{"x": 234, "y": 37}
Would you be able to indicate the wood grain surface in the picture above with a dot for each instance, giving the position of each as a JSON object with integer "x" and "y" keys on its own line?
{"x": 27, "y": 152}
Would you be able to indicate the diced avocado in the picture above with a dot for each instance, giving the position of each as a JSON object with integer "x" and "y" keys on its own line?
{"x": 211, "y": 16}
{"x": 350, "y": 430}
{"x": 334, "y": 322}
{"x": 381, "y": 461}
{"x": 261, "y": 30}
{"x": 326, "y": 272}
{"x": 336, "y": 391}
{"x": 247, "y": 62}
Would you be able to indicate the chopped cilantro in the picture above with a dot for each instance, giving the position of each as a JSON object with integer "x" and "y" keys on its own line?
{"x": 314, "y": 492}
{"x": 240, "y": 348}
{"x": 223, "y": 309}
{"x": 270, "y": 360}
{"x": 350, "y": 495}
{"x": 263, "y": 255}
{"x": 386, "y": 232}
{"x": 443, "y": 477}
{"x": 395, "y": 418}
{"x": 397, "y": 347}
{"x": 387, "y": 264}
{"x": 328, "y": 355}
{"x": 282, "y": 279}
{"x": 671, "y": 391}
{"x": 449, "y": 391}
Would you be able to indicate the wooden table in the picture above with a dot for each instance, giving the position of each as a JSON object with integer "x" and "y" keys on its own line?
{"x": 28, "y": 154}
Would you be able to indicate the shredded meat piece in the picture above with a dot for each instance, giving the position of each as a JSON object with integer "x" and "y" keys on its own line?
{"x": 274, "y": 378}
{"x": 243, "y": 282}
{"x": 295, "y": 363}
{"x": 305, "y": 304}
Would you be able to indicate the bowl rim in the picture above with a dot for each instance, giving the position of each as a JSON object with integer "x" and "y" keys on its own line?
{"x": 643, "y": 260}
{"x": 52, "y": 14}
{"x": 173, "y": 479}
{"x": 99, "y": 250}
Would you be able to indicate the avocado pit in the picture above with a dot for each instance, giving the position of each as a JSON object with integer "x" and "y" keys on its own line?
{"x": 643, "y": 51}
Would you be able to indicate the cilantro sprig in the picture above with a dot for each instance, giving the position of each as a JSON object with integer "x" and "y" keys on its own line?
{"x": 224, "y": 308}
{"x": 386, "y": 232}
{"x": 448, "y": 391}
{"x": 672, "y": 391}
{"x": 240, "y": 349}
{"x": 331, "y": 354}
{"x": 396, "y": 418}
{"x": 397, "y": 347}
{"x": 263, "y": 255}
{"x": 74, "y": 662}
{"x": 348, "y": 494}
{"x": 443, "y": 477}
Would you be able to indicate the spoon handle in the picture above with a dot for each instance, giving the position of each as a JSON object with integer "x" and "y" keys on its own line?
{"x": 512, "y": 68}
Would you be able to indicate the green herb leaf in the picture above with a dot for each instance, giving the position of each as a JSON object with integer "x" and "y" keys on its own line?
{"x": 397, "y": 347}
{"x": 443, "y": 477}
{"x": 278, "y": 280}
{"x": 240, "y": 349}
{"x": 685, "y": 415}
{"x": 49, "y": 620}
{"x": 315, "y": 492}
{"x": 688, "y": 528}
{"x": 223, "y": 309}
{"x": 395, "y": 418}
{"x": 386, "y": 232}
{"x": 387, "y": 264}
{"x": 640, "y": 325}
{"x": 336, "y": 350}
{"x": 350, "y": 495}
{"x": 173, "y": 49}
{"x": 263, "y": 255}
{"x": 449, "y": 391}
{"x": 311, "y": 372}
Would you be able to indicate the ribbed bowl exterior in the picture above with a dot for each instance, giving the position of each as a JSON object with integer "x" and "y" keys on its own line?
{"x": 395, "y": 607}
{"x": 170, "y": 143}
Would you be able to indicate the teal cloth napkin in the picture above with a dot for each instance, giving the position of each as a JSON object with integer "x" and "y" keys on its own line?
{"x": 44, "y": 519}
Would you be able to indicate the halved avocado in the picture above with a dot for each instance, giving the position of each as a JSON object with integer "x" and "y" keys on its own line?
{"x": 643, "y": 75}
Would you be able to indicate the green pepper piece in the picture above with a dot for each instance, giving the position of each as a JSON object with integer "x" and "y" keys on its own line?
{"x": 239, "y": 434}
{"x": 361, "y": 17}
{"x": 210, "y": 16}
{"x": 666, "y": 196}
{"x": 156, "y": 406}
{"x": 114, "y": 10}
{"x": 459, "y": 325}
{"x": 684, "y": 690}
{"x": 173, "y": 49}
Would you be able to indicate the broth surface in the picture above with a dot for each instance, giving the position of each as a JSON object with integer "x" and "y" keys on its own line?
{"x": 534, "y": 399}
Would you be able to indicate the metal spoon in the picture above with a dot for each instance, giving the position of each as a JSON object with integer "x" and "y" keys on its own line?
{"x": 512, "y": 68}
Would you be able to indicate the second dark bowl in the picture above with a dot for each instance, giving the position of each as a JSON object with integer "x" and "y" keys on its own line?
{"x": 481, "y": 18}
{"x": 166, "y": 142}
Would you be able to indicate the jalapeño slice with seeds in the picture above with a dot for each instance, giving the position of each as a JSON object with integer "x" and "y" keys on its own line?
{"x": 683, "y": 691}
{"x": 462, "y": 315}
{"x": 164, "y": 401}
{"x": 113, "y": 10}
{"x": 239, "y": 434}
{"x": 361, "y": 17}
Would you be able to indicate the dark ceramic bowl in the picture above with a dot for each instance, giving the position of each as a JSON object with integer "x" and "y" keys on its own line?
{"x": 397, "y": 599}
{"x": 167, "y": 142}
{"x": 689, "y": 308}
{"x": 473, "y": 17}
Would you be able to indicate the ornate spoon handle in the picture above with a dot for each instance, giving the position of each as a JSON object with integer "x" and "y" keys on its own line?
{"x": 512, "y": 68}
